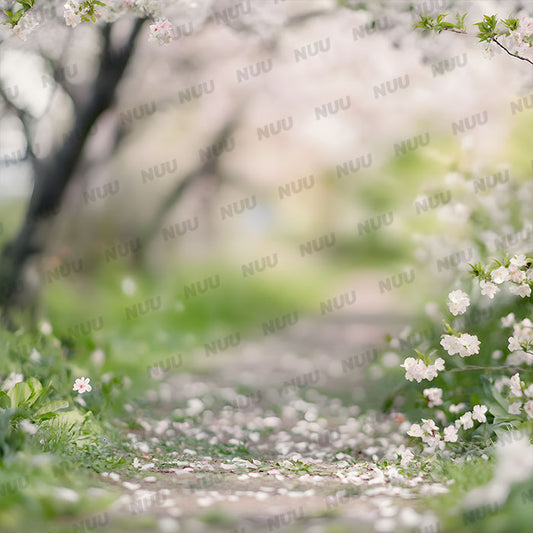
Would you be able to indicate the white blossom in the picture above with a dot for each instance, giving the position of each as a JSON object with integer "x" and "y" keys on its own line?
{"x": 519, "y": 260}
{"x": 457, "y": 408}
{"x": 508, "y": 321}
{"x": 450, "y": 434}
{"x": 514, "y": 345}
{"x": 488, "y": 288}
{"x": 469, "y": 345}
{"x": 479, "y": 413}
{"x": 516, "y": 275}
{"x": 162, "y": 32}
{"x": 81, "y": 385}
{"x": 439, "y": 364}
{"x": 429, "y": 425}
{"x": 465, "y": 345}
{"x": 434, "y": 396}
{"x": 407, "y": 457}
{"x": 526, "y": 28}
{"x": 25, "y": 25}
{"x": 35, "y": 356}
{"x": 431, "y": 372}
{"x": 516, "y": 386}
{"x": 72, "y": 13}
{"x": 522, "y": 290}
{"x": 458, "y": 301}
{"x": 415, "y": 369}
{"x": 466, "y": 420}
{"x": 499, "y": 275}
{"x": 415, "y": 431}
{"x": 451, "y": 344}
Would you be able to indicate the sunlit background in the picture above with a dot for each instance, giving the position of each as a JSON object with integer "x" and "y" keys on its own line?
{"x": 331, "y": 124}
{"x": 282, "y": 161}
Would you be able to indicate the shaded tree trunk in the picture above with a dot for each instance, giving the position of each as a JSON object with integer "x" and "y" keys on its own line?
{"x": 53, "y": 179}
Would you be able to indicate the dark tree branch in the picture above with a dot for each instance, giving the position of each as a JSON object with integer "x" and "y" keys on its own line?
{"x": 69, "y": 89}
{"x": 207, "y": 168}
{"x": 516, "y": 56}
{"x": 52, "y": 182}
{"x": 494, "y": 40}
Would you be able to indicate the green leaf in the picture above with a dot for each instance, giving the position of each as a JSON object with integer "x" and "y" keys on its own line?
{"x": 35, "y": 385}
{"x": 496, "y": 410}
{"x": 495, "y": 402}
{"x": 460, "y": 21}
{"x": 510, "y": 23}
{"x": 448, "y": 328}
{"x": 425, "y": 22}
{"x": 52, "y": 407}
{"x": 40, "y": 397}
{"x": 47, "y": 416}
{"x": 5, "y": 400}
{"x": 19, "y": 394}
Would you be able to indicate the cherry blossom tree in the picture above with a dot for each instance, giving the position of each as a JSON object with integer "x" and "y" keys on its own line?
{"x": 114, "y": 28}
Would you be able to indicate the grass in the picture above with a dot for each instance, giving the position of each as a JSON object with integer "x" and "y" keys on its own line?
{"x": 74, "y": 442}
{"x": 79, "y": 441}
{"x": 513, "y": 516}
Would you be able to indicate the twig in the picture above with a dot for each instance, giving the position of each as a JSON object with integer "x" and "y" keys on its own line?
{"x": 493, "y": 39}
{"x": 512, "y": 55}
{"x": 489, "y": 368}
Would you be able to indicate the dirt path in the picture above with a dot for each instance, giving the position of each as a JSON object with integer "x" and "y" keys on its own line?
{"x": 267, "y": 435}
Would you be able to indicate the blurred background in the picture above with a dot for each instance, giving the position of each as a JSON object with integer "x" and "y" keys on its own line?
{"x": 278, "y": 155}
{"x": 227, "y": 220}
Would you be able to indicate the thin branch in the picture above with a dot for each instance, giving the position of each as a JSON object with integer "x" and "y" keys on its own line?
{"x": 455, "y": 30}
{"x": 512, "y": 55}
{"x": 66, "y": 47}
{"x": 208, "y": 167}
{"x": 60, "y": 80}
{"x": 493, "y": 39}
{"x": 490, "y": 368}
{"x": 49, "y": 190}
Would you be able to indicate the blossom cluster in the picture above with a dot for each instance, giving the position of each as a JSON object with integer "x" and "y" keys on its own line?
{"x": 77, "y": 11}
{"x": 162, "y": 32}
{"x": 519, "y": 41}
{"x": 458, "y": 301}
{"x": 25, "y": 25}
{"x": 416, "y": 369}
{"x": 521, "y": 396}
{"x": 520, "y": 342}
{"x": 73, "y": 11}
{"x": 463, "y": 344}
{"x": 429, "y": 431}
{"x": 516, "y": 272}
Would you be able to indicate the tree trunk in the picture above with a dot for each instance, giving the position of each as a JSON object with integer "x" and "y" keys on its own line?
{"x": 52, "y": 181}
